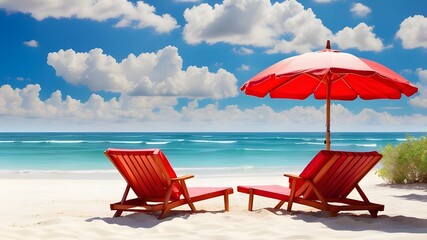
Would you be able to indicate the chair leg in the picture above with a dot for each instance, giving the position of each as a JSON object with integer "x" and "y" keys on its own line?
{"x": 226, "y": 201}
{"x": 251, "y": 199}
{"x": 118, "y": 213}
{"x": 164, "y": 213}
{"x": 279, "y": 205}
{"x": 333, "y": 214}
{"x": 289, "y": 209}
{"x": 374, "y": 213}
{"x": 192, "y": 207}
{"x": 186, "y": 196}
{"x": 292, "y": 194}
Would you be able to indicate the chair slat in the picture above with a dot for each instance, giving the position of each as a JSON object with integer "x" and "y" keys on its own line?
{"x": 137, "y": 182}
{"x": 309, "y": 194}
{"x": 342, "y": 175}
{"x": 157, "y": 175}
{"x": 351, "y": 180}
{"x": 328, "y": 184}
{"x": 149, "y": 185}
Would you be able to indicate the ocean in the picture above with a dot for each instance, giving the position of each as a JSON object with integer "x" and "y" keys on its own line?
{"x": 187, "y": 152}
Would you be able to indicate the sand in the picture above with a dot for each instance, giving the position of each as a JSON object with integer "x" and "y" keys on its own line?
{"x": 76, "y": 206}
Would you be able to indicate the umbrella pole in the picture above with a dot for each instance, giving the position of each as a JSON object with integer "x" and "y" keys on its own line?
{"x": 328, "y": 117}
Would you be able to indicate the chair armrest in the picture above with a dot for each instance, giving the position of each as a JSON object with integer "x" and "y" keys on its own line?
{"x": 182, "y": 178}
{"x": 292, "y": 176}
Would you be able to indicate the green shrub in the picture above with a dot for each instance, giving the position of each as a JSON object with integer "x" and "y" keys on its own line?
{"x": 406, "y": 162}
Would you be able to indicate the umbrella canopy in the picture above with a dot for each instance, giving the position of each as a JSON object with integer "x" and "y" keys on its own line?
{"x": 331, "y": 75}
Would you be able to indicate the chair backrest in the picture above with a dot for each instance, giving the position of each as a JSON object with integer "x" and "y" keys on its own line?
{"x": 336, "y": 173}
{"x": 147, "y": 171}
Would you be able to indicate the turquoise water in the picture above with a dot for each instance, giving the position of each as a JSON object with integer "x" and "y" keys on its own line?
{"x": 84, "y": 151}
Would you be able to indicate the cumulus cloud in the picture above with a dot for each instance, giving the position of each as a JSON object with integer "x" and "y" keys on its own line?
{"x": 281, "y": 27}
{"x": 260, "y": 24}
{"x": 360, "y": 10}
{"x": 129, "y": 113}
{"x": 128, "y": 14}
{"x": 21, "y": 102}
{"x": 361, "y": 37}
{"x": 413, "y": 32}
{"x": 26, "y": 102}
{"x": 421, "y": 99}
{"x": 32, "y": 43}
{"x": 149, "y": 74}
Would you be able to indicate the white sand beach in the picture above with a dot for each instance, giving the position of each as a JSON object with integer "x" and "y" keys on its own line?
{"x": 59, "y": 206}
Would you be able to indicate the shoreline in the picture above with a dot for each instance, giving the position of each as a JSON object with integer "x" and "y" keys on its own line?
{"x": 114, "y": 174}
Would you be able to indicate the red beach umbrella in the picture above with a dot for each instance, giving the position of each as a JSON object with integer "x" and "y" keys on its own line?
{"x": 331, "y": 75}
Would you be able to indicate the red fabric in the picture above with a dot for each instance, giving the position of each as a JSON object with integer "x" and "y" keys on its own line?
{"x": 349, "y": 77}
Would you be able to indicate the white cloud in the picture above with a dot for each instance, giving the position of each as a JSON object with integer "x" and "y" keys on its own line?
{"x": 32, "y": 43}
{"x": 24, "y": 110}
{"x": 360, "y": 10}
{"x": 413, "y": 32}
{"x": 242, "y": 50}
{"x": 421, "y": 99}
{"x": 149, "y": 74}
{"x": 26, "y": 103}
{"x": 244, "y": 67}
{"x": 361, "y": 37}
{"x": 21, "y": 102}
{"x": 128, "y": 14}
{"x": 281, "y": 27}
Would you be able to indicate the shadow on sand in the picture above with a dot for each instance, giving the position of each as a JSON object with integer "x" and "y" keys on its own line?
{"x": 146, "y": 220}
{"x": 362, "y": 222}
{"x": 413, "y": 196}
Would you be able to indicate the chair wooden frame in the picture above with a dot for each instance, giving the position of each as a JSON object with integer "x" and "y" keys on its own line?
{"x": 324, "y": 184}
{"x": 151, "y": 177}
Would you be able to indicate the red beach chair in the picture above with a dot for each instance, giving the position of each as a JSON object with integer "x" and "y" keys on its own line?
{"x": 325, "y": 184}
{"x": 149, "y": 174}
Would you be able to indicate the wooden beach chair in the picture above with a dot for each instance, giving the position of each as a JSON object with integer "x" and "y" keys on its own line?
{"x": 325, "y": 184}
{"x": 149, "y": 174}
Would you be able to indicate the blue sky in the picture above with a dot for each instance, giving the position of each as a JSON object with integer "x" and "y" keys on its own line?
{"x": 177, "y": 65}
